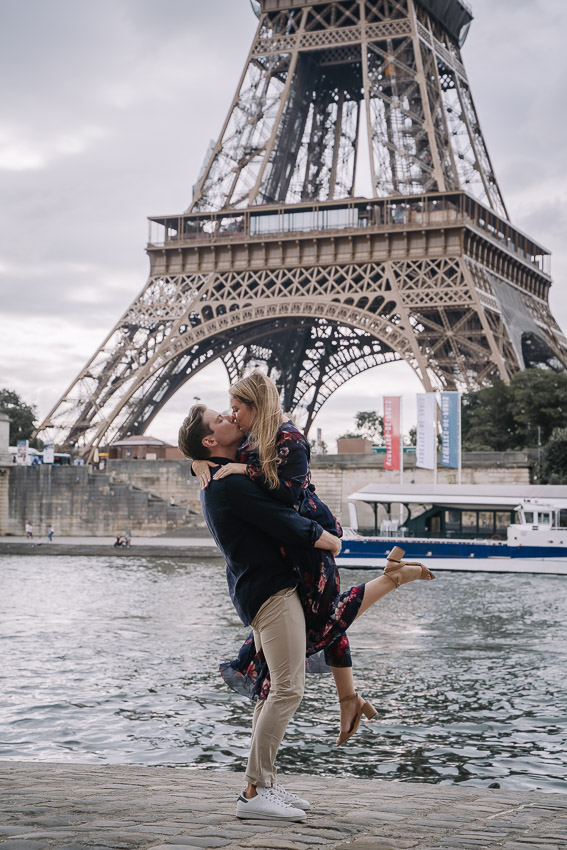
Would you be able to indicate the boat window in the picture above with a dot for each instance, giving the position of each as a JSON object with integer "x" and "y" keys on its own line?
{"x": 544, "y": 519}
{"x": 436, "y": 524}
{"x": 452, "y": 520}
{"x": 485, "y": 521}
{"x": 469, "y": 522}
{"x": 528, "y": 517}
{"x": 502, "y": 521}
{"x": 562, "y": 518}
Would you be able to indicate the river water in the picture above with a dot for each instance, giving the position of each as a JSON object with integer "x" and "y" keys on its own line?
{"x": 105, "y": 659}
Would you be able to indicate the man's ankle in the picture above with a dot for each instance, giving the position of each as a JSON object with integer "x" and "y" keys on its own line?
{"x": 250, "y": 791}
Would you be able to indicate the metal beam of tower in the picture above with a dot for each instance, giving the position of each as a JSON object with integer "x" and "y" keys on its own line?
{"x": 276, "y": 262}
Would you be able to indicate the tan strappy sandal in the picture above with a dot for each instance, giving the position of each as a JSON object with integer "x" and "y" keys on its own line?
{"x": 366, "y": 708}
{"x": 395, "y": 557}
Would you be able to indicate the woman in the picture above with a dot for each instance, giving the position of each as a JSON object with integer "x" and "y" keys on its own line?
{"x": 275, "y": 455}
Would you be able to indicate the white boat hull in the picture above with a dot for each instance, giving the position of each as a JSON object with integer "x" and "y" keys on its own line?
{"x": 543, "y": 566}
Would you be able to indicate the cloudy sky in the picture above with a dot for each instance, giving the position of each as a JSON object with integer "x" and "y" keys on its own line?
{"x": 107, "y": 110}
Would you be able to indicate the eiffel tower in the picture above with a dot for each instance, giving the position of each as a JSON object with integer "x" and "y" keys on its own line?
{"x": 278, "y": 262}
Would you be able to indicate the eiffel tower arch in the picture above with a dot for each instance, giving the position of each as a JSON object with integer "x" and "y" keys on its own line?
{"x": 276, "y": 261}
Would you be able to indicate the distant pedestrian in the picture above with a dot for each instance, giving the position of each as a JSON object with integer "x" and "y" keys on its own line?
{"x": 50, "y": 533}
{"x": 29, "y": 530}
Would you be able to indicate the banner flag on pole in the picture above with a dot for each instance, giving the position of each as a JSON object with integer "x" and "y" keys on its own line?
{"x": 450, "y": 430}
{"x": 392, "y": 432}
{"x": 426, "y": 449}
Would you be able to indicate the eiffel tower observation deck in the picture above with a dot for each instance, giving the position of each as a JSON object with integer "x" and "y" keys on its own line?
{"x": 277, "y": 261}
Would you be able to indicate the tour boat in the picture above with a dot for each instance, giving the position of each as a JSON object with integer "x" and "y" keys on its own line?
{"x": 470, "y": 528}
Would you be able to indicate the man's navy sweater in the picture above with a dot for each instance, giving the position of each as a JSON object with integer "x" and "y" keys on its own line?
{"x": 249, "y": 527}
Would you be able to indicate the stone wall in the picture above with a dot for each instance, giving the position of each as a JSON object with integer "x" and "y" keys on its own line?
{"x": 166, "y": 479}
{"x": 79, "y": 501}
{"x": 5, "y": 464}
{"x": 4, "y": 487}
{"x": 155, "y": 497}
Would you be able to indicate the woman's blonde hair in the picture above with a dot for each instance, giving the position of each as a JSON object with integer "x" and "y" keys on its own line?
{"x": 259, "y": 391}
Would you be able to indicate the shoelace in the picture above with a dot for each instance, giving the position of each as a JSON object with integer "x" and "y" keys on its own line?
{"x": 281, "y": 792}
{"x": 275, "y": 798}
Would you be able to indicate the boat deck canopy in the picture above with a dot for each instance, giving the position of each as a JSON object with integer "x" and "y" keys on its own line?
{"x": 464, "y": 496}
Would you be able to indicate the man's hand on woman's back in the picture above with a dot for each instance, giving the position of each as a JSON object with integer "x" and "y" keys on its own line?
{"x": 330, "y": 542}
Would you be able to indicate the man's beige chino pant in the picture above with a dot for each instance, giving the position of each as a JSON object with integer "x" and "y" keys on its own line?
{"x": 279, "y": 629}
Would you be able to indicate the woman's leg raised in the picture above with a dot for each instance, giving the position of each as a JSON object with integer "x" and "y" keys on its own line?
{"x": 396, "y": 574}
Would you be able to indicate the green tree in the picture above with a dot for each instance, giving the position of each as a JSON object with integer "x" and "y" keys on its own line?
{"x": 539, "y": 400}
{"x": 369, "y": 424}
{"x": 487, "y": 422}
{"x": 22, "y": 416}
{"x": 324, "y": 446}
{"x": 503, "y": 417}
{"x": 554, "y": 466}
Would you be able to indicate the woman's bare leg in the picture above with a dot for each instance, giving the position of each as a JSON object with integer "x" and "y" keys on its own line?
{"x": 377, "y": 588}
{"x": 344, "y": 682}
{"x": 374, "y": 590}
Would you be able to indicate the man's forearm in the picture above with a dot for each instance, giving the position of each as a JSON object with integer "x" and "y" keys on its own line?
{"x": 330, "y": 542}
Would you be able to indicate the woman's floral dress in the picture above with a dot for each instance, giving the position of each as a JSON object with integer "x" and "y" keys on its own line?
{"x": 328, "y": 612}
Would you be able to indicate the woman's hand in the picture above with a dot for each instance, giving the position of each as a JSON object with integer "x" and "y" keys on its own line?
{"x": 230, "y": 469}
{"x": 202, "y": 469}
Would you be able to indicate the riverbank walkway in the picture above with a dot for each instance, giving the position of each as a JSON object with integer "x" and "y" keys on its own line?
{"x": 47, "y": 806}
{"x": 202, "y": 546}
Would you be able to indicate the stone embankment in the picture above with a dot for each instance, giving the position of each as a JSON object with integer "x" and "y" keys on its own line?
{"x": 161, "y": 496}
{"x": 70, "y": 807}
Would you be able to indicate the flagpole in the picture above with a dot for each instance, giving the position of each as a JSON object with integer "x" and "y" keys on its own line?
{"x": 401, "y": 456}
{"x": 459, "y": 475}
{"x": 401, "y": 440}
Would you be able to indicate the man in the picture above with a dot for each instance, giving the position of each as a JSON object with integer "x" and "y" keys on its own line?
{"x": 249, "y": 527}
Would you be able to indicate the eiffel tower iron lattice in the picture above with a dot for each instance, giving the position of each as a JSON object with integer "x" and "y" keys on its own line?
{"x": 276, "y": 262}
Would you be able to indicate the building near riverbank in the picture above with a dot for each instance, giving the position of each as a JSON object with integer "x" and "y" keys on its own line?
{"x": 143, "y": 447}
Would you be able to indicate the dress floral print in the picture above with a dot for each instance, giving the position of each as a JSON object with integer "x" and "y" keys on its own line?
{"x": 328, "y": 612}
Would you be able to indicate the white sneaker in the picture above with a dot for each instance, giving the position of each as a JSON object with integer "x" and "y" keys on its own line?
{"x": 267, "y": 806}
{"x": 290, "y": 798}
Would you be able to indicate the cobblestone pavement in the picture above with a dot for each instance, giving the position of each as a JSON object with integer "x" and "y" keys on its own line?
{"x": 70, "y": 807}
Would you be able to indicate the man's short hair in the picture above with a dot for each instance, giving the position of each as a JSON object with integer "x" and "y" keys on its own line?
{"x": 192, "y": 433}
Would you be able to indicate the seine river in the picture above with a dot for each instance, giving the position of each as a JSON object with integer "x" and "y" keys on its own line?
{"x": 108, "y": 659}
